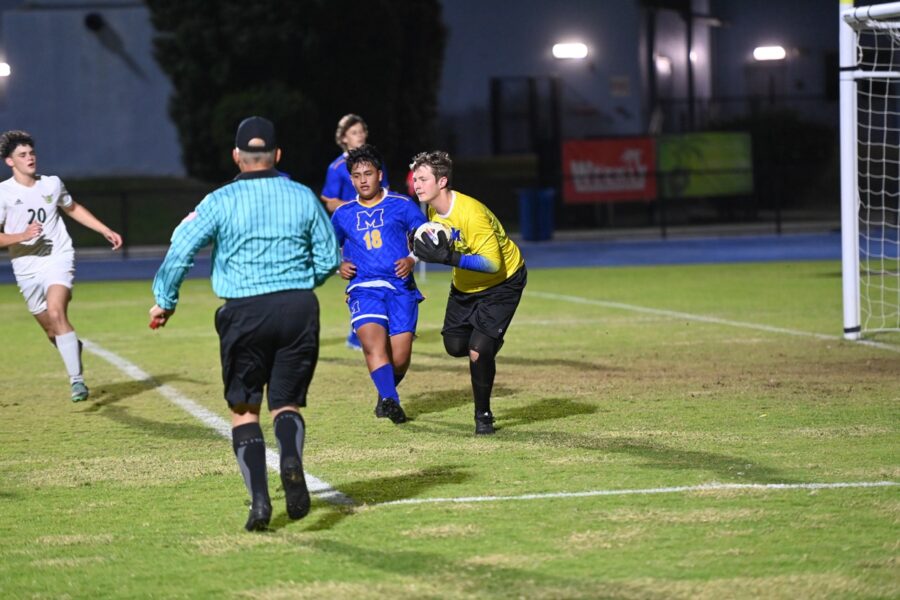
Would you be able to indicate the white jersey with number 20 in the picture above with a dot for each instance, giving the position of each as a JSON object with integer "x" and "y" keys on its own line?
{"x": 22, "y": 205}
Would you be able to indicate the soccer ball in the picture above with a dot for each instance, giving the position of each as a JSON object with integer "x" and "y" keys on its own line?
{"x": 431, "y": 229}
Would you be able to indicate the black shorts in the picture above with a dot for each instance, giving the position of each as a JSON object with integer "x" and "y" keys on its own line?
{"x": 489, "y": 311}
{"x": 269, "y": 341}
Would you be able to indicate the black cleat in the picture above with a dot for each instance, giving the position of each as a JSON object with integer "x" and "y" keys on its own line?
{"x": 260, "y": 514}
{"x": 484, "y": 423}
{"x": 379, "y": 411}
{"x": 392, "y": 410}
{"x": 296, "y": 494}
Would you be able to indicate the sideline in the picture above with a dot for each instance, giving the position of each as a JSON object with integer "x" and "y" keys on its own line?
{"x": 707, "y": 319}
{"x": 218, "y": 424}
{"x": 704, "y": 487}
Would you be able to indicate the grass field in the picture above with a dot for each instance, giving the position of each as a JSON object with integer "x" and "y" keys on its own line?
{"x": 614, "y": 379}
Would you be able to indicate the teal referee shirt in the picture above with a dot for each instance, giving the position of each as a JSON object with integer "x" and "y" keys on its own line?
{"x": 268, "y": 233}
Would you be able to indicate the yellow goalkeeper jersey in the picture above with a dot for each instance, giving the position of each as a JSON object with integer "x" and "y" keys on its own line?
{"x": 477, "y": 232}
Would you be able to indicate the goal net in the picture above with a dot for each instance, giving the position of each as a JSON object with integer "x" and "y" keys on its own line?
{"x": 870, "y": 167}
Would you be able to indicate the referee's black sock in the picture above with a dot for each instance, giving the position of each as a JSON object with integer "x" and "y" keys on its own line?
{"x": 482, "y": 371}
{"x": 290, "y": 431}
{"x": 250, "y": 450}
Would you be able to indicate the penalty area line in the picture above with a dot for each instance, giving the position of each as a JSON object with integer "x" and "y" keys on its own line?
{"x": 218, "y": 424}
{"x": 704, "y": 487}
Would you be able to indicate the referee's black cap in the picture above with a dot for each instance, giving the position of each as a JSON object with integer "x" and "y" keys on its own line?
{"x": 255, "y": 134}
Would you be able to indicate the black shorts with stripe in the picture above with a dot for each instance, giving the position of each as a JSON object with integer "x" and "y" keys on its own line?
{"x": 489, "y": 311}
{"x": 270, "y": 341}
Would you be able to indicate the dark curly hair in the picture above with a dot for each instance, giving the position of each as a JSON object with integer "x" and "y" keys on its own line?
{"x": 11, "y": 140}
{"x": 364, "y": 154}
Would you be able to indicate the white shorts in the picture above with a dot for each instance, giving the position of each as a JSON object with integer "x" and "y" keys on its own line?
{"x": 58, "y": 270}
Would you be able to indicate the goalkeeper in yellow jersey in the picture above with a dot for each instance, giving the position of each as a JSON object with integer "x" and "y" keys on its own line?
{"x": 489, "y": 275}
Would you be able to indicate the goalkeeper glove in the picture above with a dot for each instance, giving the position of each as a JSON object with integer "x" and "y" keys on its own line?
{"x": 440, "y": 252}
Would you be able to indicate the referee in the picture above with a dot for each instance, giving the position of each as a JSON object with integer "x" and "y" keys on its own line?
{"x": 272, "y": 244}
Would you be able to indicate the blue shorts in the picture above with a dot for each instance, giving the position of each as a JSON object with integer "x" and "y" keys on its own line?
{"x": 395, "y": 310}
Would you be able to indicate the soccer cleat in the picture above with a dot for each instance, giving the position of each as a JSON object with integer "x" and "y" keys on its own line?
{"x": 379, "y": 411}
{"x": 80, "y": 392}
{"x": 296, "y": 494}
{"x": 392, "y": 410}
{"x": 260, "y": 514}
{"x": 484, "y": 423}
{"x": 353, "y": 341}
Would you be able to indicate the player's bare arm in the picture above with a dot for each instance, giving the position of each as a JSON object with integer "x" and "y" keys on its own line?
{"x": 87, "y": 218}
{"x": 347, "y": 270}
{"x": 32, "y": 231}
{"x": 332, "y": 204}
{"x": 404, "y": 266}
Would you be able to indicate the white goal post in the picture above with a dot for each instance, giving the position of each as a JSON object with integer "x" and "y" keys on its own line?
{"x": 870, "y": 167}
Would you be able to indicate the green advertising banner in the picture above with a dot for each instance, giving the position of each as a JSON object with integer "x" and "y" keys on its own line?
{"x": 693, "y": 165}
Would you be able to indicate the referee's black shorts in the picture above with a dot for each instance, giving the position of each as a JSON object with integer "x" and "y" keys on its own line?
{"x": 269, "y": 340}
{"x": 489, "y": 311}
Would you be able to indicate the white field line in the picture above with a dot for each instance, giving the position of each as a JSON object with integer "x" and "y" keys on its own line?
{"x": 337, "y": 497}
{"x": 672, "y": 314}
{"x": 705, "y": 487}
{"x": 218, "y": 424}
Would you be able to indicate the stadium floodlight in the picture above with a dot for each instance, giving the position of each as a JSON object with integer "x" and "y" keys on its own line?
{"x": 763, "y": 53}
{"x": 663, "y": 64}
{"x": 870, "y": 167}
{"x": 570, "y": 50}
{"x": 5, "y": 70}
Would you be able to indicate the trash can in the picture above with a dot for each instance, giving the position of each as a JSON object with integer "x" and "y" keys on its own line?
{"x": 536, "y": 213}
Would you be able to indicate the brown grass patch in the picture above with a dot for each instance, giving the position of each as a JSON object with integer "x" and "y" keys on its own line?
{"x": 128, "y": 470}
{"x": 73, "y": 540}
{"x": 659, "y": 516}
{"x": 828, "y": 585}
{"x": 67, "y": 562}
{"x": 442, "y": 531}
{"x": 604, "y": 540}
{"x": 425, "y": 590}
{"x": 508, "y": 561}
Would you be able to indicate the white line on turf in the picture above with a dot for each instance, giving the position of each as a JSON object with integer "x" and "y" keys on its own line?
{"x": 327, "y": 492}
{"x": 672, "y": 314}
{"x": 218, "y": 424}
{"x": 706, "y": 487}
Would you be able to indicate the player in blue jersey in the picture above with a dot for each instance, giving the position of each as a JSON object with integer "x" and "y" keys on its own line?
{"x": 375, "y": 230}
{"x": 352, "y": 132}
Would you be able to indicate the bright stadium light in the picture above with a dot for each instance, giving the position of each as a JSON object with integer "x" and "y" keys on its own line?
{"x": 769, "y": 53}
{"x": 663, "y": 64}
{"x": 570, "y": 50}
{"x": 4, "y": 69}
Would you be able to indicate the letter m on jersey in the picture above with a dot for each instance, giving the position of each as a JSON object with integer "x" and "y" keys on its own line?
{"x": 369, "y": 219}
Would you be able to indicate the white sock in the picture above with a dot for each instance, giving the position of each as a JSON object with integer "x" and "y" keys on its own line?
{"x": 69, "y": 349}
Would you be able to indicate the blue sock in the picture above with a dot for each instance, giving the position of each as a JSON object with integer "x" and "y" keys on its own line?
{"x": 383, "y": 378}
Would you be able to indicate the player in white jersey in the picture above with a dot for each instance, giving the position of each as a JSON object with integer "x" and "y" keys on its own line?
{"x": 40, "y": 247}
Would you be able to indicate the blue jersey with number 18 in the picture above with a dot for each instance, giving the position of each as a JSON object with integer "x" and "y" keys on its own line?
{"x": 375, "y": 236}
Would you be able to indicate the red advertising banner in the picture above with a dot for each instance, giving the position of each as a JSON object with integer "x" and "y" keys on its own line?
{"x": 609, "y": 170}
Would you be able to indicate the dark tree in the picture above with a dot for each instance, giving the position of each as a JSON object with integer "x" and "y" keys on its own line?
{"x": 302, "y": 64}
